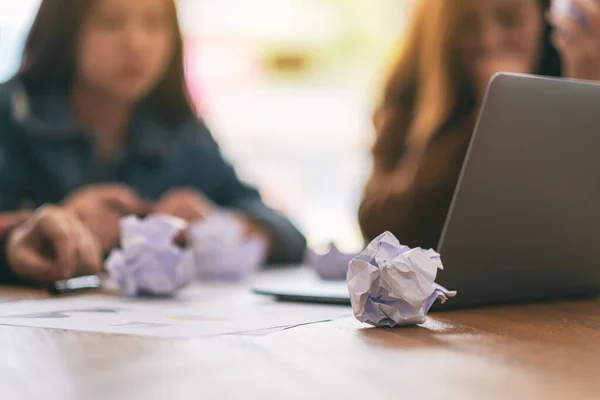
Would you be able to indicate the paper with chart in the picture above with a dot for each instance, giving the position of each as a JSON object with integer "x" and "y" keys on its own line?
{"x": 164, "y": 318}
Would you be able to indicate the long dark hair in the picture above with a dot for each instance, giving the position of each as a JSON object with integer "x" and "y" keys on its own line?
{"x": 426, "y": 84}
{"x": 49, "y": 58}
{"x": 550, "y": 64}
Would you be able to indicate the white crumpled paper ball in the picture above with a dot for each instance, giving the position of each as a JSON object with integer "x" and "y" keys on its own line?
{"x": 393, "y": 285}
{"x": 222, "y": 251}
{"x": 149, "y": 262}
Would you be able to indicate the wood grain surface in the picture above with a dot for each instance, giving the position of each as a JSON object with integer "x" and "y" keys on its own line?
{"x": 537, "y": 351}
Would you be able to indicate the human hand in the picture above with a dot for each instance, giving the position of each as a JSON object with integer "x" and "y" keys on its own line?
{"x": 578, "y": 40}
{"x": 252, "y": 228}
{"x": 53, "y": 244}
{"x": 101, "y": 206}
{"x": 187, "y": 204}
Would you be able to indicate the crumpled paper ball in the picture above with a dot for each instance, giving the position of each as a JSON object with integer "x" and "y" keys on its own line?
{"x": 565, "y": 8}
{"x": 331, "y": 265}
{"x": 393, "y": 285}
{"x": 222, "y": 250}
{"x": 149, "y": 262}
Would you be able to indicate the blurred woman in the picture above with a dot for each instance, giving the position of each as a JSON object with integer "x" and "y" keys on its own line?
{"x": 425, "y": 120}
{"x": 98, "y": 120}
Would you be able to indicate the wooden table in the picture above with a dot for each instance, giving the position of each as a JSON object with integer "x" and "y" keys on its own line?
{"x": 539, "y": 351}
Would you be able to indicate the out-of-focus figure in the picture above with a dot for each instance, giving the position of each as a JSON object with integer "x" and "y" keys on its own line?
{"x": 426, "y": 116}
{"x": 98, "y": 119}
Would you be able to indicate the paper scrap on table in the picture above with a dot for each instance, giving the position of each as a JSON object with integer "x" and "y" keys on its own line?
{"x": 332, "y": 265}
{"x": 222, "y": 250}
{"x": 149, "y": 262}
{"x": 163, "y": 318}
{"x": 393, "y": 285}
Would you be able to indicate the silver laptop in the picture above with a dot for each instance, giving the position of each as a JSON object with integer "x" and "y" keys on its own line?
{"x": 524, "y": 224}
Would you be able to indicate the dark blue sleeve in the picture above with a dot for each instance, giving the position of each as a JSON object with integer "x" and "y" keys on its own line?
{"x": 14, "y": 168}
{"x": 6, "y": 274}
{"x": 288, "y": 243}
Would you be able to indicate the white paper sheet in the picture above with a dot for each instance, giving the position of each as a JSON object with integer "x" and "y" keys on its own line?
{"x": 190, "y": 316}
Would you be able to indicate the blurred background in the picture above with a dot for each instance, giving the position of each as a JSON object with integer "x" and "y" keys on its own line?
{"x": 287, "y": 88}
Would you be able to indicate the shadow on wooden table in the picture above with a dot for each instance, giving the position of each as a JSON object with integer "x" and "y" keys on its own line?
{"x": 556, "y": 323}
{"x": 431, "y": 333}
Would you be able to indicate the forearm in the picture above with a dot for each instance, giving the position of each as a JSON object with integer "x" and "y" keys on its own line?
{"x": 414, "y": 213}
{"x": 383, "y": 209}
